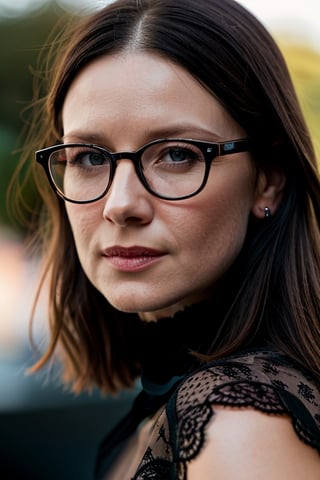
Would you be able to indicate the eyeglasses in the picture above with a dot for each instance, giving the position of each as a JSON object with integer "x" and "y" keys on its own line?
{"x": 171, "y": 169}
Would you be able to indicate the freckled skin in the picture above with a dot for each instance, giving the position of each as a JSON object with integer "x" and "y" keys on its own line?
{"x": 123, "y": 102}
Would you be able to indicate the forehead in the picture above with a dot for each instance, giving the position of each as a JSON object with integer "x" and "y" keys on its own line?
{"x": 128, "y": 90}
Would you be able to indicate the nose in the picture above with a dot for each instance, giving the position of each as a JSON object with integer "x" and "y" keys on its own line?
{"x": 127, "y": 201}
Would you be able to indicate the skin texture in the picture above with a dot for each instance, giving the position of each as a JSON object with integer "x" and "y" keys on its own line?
{"x": 235, "y": 434}
{"x": 122, "y": 102}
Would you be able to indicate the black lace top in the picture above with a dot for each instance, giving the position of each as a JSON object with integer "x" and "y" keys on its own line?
{"x": 259, "y": 378}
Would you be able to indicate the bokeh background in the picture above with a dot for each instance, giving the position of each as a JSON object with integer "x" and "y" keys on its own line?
{"x": 45, "y": 432}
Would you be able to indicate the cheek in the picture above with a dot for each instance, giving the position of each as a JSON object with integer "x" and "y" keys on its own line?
{"x": 222, "y": 232}
{"x": 221, "y": 220}
{"x": 83, "y": 220}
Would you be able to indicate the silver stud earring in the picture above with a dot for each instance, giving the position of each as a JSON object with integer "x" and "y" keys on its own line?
{"x": 267, "y": 213}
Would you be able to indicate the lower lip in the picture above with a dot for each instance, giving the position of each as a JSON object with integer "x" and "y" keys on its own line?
{"x": 132, "y": 264}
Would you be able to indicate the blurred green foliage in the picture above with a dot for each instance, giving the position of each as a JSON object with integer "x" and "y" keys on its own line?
{"x": 21, "y": 40}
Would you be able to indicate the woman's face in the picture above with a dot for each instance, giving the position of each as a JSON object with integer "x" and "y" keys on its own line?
{"x": 145, "y": 254}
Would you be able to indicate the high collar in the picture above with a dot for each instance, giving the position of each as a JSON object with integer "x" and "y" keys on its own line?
{"x": 166, "y": 345}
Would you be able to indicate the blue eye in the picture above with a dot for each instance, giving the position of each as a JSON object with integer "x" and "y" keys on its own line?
{"x": 93, "y": 158}
{"x": 88, "y": 159}
{"x": 178, "y": 154}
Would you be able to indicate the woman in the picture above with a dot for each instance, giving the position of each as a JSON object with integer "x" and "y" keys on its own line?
{"x": 181, "y": 238}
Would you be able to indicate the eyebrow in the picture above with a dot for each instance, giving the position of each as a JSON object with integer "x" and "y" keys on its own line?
{"x": 177, "y": 131}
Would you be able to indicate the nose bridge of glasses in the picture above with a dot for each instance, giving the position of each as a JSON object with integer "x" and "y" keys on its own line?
{"x": 133, "y": 156}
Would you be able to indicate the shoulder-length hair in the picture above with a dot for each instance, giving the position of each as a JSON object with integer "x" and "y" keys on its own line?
{"x": 272, "y": 291}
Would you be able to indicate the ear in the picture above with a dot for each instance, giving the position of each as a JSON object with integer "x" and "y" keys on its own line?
{"x": 269, "y": 191}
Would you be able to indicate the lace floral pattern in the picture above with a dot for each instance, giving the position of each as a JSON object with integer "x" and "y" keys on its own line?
{"x": 261, "y": 380}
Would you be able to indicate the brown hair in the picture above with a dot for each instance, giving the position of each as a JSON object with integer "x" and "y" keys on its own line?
{"x": 273, "y": 288}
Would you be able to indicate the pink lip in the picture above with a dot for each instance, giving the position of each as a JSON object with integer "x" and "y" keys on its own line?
{"x": 132, "y": 259}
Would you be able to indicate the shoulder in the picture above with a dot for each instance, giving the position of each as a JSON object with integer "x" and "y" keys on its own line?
{"x": 252, "y": 385}
{"x": 249, "y": 444}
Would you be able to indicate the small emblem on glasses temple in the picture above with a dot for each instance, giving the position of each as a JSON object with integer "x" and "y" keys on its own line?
{"x": 228, "y": 146}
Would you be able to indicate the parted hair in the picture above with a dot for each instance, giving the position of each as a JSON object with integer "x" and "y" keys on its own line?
{"x": 273, "y": 289}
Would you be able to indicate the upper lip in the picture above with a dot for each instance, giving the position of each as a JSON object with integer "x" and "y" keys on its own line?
{"x": 134, "y": 251}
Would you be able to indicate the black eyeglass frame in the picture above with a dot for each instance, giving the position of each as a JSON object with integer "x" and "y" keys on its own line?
{"x": 210, "y": 151}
